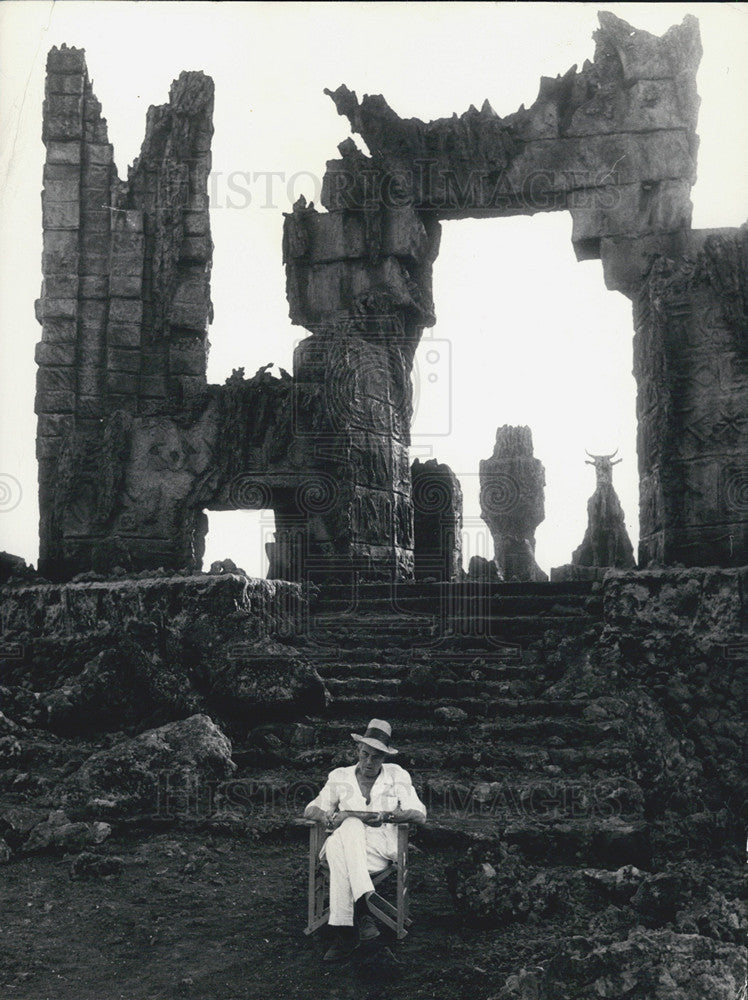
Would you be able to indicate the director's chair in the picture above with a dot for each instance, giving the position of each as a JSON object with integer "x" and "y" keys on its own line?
{"x": 395, "y": 917}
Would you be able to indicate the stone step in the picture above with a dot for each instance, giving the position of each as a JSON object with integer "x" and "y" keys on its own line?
{"x": 459, "y": 653}
{"x": 587, "y": 842}
{"x": 499, "y": 671}
{"x": 391, "y": 631}
{"x": 528, "y": 730}
{"x": 399, "y": 707}
{"x": 453, "y": 691}
{"x": 483, "y": 761}
{"x": 445, "y": 606}
{"x": 403, "y": 589}
{"x": 551, "y": 734}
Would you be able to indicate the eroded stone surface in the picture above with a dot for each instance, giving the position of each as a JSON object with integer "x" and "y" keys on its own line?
{"x": 512, "y": 498}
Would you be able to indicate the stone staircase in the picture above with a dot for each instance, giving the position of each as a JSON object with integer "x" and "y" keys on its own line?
{"x": 460, "y": 672}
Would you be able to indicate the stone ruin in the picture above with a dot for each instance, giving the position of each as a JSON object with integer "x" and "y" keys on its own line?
{"x": 512, "y": 501}
{"x": 609, "y": 709}
{"x": 437, "y": 521}
{"x": 134, "y": 445}
{"x": 606, "y": 543}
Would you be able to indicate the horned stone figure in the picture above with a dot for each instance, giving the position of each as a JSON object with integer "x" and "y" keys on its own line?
{"x": 603, "y": 467}
{"x": 606, "y": 541}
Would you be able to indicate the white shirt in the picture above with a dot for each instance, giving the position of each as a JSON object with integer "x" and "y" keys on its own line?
{"x": 392, "y": 790}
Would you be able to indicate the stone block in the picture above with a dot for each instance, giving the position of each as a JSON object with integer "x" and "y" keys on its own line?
{"x": 67, "y": 61}
{"x": 61, "y": 128}
{"x": 60, "y": 214}
{"x": 52, "y": 424}
{"x": 94, "y": 286}
{"x": 94, "y": 196}
{"x": 121, "y": 359}
{"x": 127, "y": 263}
{"x": 126, "y": 241}
{"x": 64, "y": 83}
{"x": 60, "y": 286}
{"x": 186, "y": 387}
{"x": 59, "y": 308}
{"x": 191, "y": 302}
{"x": 155, "y": 406}
{"x": 404, "y": 235}
{"x": 93, "y": 313}
{"x": 662, "y": 206}
{"x": 153, "y": 386}
{"x": 91, "y": 346}
{"x": 98, "y": 154}
{"x": 187, "y": 357}
{"x": 64, "y": 189}
{"x": 121, "y": 383}
{"x": 62, "y": 172}
{"x": 198, "y": 202}
{"x": 196, "y": 223}
{"x": 90, "y": 380}
{"x": 196, "y": 248}
{"x": 90, "y": 408}
{"x": 95, "y": 132}
{"x": 201, "y": 141}
{"x": 59, "y": 331}
{"x": 47, "y": 448}
{"x": 125, "y": 310}
{"x": 95, "y": 221}
{"x": 115, "y": 401}
{"x": 335, "y": 236}
{"x": 100, "y": 176}
{"x": 92, "y": 108}
{"x": 93, "y": 262}
{"x": 63, "y": 152}
{"x": 123, "y": 334}
{"x": 64, "y": 105}
{"x": 126, "y": 286}
{"x": 125, "y": 222}
{"x": 55, "y": 402}
{"x": 49, "y": 380}
{"x": 55, "y": 355}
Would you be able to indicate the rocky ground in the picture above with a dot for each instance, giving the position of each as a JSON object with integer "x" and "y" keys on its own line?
{"x": 585, "y": 799}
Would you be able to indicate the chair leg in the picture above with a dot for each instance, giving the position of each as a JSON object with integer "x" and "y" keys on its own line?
{"x": 317, "y": 912}
{"x": 402, "y": 881}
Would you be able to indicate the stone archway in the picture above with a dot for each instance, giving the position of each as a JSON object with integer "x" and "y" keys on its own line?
{"x": 615, "y": 145}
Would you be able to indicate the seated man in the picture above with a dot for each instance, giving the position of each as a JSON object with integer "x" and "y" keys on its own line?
{"x": 361, "y": 803}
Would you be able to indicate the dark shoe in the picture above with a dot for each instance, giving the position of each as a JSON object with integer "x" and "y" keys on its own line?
{"x": 345, "y": 944}
{"x": 367, "y": 929}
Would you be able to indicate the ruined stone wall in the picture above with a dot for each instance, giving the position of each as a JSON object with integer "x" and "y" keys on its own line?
{"x": 134, "y": 446}
{"x": 690, "y": 353}
{"x": 614, "y": 144}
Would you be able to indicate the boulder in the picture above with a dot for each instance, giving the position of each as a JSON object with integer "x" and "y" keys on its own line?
{"x": 155, "y": 772}
{"x": 57, "y": 832}
{"x": 89, "y": 865}
{"x": 264, "y": 682}
{"x": 16, "y": 822}
{"x": 120, "y": 686}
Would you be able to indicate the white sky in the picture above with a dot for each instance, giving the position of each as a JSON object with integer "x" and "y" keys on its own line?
{"x": 524, "y": 334}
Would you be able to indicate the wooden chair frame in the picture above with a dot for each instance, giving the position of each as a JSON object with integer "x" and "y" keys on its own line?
{"x": 318, "y": 912}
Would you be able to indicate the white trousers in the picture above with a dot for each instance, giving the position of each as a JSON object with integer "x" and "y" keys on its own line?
{"x": 350, "y": 859}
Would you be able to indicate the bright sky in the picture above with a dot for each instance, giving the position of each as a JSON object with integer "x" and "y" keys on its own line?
{"x": 525, "y": 335}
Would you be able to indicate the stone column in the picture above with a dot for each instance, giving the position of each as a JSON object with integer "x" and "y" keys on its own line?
{"x": 512, "y": 499}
